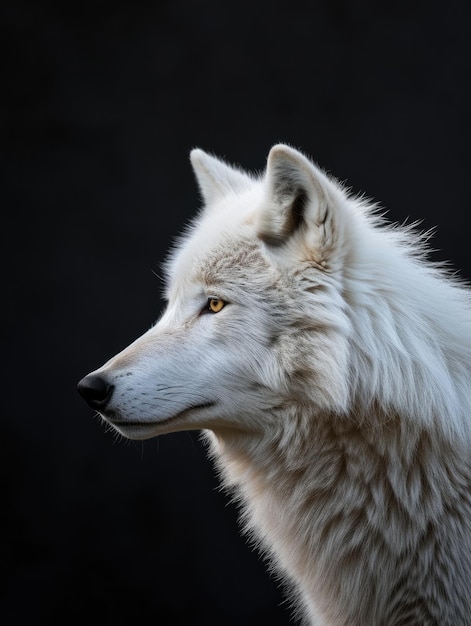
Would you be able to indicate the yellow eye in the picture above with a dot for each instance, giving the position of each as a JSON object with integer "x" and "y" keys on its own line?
{"x": 215, "y": 304}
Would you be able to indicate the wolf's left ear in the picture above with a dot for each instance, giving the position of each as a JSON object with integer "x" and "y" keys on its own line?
{"x": 297, "y": 195}
{"x": 215, "y": 178}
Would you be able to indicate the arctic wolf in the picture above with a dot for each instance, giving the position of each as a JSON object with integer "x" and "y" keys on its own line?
{"x": 329, "y": 365}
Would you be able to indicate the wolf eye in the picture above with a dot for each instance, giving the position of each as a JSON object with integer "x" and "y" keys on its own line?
{"x": 215, "y": 305}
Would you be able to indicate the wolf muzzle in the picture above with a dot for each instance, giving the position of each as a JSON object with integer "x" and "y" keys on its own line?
{"x": 95, "y": 390}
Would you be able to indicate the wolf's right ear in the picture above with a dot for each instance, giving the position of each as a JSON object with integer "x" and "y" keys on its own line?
{"x": 215, "y": 178}
{"x": 298, "y": 200}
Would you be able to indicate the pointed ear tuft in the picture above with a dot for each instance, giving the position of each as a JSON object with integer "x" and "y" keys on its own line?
{"x": 296, "y": 193}
{"x": 216, "y": 178}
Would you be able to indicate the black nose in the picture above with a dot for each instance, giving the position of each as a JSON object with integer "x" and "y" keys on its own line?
{"x": 95, "y": 390}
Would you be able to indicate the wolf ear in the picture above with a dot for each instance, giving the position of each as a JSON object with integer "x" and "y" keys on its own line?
{"x": 215, "y": 178}
{"x": 298, "y": 194}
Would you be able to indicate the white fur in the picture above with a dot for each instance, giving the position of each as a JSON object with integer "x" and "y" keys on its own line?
{"x": 334, "y": 389}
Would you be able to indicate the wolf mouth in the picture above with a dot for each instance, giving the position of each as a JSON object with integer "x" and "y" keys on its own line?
{"x": 141, "y": 424}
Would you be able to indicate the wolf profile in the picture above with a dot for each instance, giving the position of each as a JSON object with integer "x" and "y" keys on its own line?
{"x": 328, "y": 363}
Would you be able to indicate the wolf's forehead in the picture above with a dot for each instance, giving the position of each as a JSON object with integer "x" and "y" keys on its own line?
{"x": 214, "y": 259}
{"x": 228, "y": 260}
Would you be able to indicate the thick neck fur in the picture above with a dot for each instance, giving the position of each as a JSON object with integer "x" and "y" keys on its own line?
{"x": 336, "y": 500}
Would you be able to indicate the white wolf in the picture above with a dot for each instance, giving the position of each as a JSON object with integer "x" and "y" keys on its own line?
{"x": 329, "y": 364}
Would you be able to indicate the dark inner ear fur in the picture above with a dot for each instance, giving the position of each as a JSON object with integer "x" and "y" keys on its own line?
{"x": 295, "y": 201}
{"x": 297, "y": 212}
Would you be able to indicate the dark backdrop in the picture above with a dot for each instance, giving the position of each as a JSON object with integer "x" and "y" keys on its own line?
{"x": 100, "y": 106}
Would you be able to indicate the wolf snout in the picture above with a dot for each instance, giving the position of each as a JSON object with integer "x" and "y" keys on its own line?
{"x": 95, "y": 390}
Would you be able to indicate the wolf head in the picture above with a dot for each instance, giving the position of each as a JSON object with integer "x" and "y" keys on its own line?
{"x": 255, "y": 321}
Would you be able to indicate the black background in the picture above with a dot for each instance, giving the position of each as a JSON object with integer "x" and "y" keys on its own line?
{"x": 100, "y": 106}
